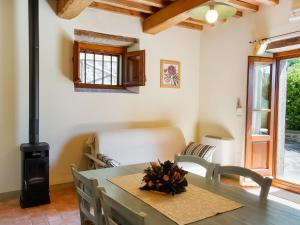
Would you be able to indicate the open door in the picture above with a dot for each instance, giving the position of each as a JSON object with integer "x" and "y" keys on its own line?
{"x": 260, "y": 115}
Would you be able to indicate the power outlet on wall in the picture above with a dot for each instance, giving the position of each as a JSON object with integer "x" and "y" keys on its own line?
{"x": 239, "y": 109}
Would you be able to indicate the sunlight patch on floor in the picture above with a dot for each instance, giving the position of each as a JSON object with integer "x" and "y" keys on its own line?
{"x": 274, "y": 198}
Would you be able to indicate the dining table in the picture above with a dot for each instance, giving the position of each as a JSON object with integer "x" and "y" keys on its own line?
{"x": 253, "y": 212}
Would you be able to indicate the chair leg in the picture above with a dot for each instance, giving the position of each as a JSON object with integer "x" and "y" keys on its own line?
{"x": 82, "y": 219}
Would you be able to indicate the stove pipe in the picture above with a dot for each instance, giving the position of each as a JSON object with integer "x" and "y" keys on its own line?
{"x": 33, "y": 14}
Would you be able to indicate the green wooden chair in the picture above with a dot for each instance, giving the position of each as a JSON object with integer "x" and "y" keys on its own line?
{"x": 264, "y": 183}
{"x": 89, "y": 198}
{"x": 118, "y": 214}
{"x": 198, "y": 160}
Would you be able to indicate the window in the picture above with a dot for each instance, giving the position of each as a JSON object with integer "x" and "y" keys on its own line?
{"x": 99, "y": 68}
{"x": 107, "y": 67}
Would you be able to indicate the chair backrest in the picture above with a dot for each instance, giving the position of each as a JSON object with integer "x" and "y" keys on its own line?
{"x": 264, "y": 183}
{"x": 89, "y": 198}
{"x": 198, "y": 160}
{"x": 115, "y": 213}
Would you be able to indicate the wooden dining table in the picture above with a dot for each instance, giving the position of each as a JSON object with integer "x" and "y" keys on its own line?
{"x": 253, "y": 212}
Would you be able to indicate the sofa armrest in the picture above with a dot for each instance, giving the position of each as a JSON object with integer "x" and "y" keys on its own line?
{"x": 98, "y": 163}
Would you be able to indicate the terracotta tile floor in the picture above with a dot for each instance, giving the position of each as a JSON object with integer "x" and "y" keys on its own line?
{"x": 63, "y": 210}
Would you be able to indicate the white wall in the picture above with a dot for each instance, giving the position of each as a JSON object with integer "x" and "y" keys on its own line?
{"x": 223, "y": 76}
{"x": 13, "y": 90}
{"x": 67, "y": 117}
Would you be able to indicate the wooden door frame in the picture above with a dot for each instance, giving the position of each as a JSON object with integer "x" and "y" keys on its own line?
{"x": 278, "y": 182}
{"x": 248, "y": 133}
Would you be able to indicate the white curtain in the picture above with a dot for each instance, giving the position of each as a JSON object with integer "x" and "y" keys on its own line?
{"x": 260, "y": 47}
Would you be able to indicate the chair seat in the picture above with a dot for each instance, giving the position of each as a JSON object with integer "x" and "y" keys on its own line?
{"x": 193, "y": 168}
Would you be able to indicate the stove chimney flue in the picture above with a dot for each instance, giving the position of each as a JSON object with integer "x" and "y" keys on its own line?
{"x": 33, "y": 19}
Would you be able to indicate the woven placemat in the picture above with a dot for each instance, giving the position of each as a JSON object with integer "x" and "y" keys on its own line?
{"x": 193, "y": 205}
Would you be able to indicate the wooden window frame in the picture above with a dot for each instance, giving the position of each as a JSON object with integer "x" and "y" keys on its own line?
{"x": 128, "y": 80}
{"x": 94, "y": 49}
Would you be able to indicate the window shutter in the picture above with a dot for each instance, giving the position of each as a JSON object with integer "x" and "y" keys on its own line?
{"x": 76, "y": 63}
{"x": 134, "y": 69}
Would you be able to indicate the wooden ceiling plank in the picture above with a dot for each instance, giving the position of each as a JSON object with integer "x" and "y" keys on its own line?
{"x": 130, "y": 5}
{"x": 269, "y": 2}
{"x": 123, "y": 11}
{"x": 98, "y": 5}
{"x": 190, "y": 26}
{"x": 69, "y": 9}
{"x": 242, "y": 5}
{"x": 154, "y": 3}
{"x": 197, "y": 22}
{"x": 170, "y": 15}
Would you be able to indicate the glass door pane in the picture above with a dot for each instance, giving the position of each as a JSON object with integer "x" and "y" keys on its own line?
{"x": 260, "y": 123}
{"x": 261, "y": 99}
{"x": 288, "y": 144}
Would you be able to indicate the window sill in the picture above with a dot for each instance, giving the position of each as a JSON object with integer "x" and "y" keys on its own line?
{"x": 78, "y": 87}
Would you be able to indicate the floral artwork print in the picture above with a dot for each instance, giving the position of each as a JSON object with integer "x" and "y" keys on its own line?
{"x": 170, "y": 74}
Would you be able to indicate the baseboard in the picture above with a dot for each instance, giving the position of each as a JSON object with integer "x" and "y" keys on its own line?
{"x": 54, "y": 187}
{"x": 10, "y": 194}
{"x": 58, "y": 187}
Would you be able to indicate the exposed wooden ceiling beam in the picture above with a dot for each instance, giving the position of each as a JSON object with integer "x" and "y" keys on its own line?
{"x": 242, "y": 5}
{"x": 170, "y": 15}
{"x": 130, "y": 5}
{"x": 154, "y": 3}
{"x": 119, "y": 10}
{"x": 198, "y": 22}
{"x": 269, "y": 2}
{"x": 68, "y": 9}
{"x": 187, "y": 24}
{"x": 195, "y": 21}
{"x": 190, "y": 26}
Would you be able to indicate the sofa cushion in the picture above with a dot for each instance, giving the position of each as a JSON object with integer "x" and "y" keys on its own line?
{"x": 204, "y": 151}
{"x": 109, "y": 162}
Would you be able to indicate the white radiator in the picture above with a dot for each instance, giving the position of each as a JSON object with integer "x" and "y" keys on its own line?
{"x": 224, "y": 153}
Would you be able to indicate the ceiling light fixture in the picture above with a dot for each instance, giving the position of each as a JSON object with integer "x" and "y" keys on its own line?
{"x": 212, "y": 11}
{"x": 212, "y": 15}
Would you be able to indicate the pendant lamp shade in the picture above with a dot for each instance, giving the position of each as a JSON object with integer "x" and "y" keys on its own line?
{"x": 225, "y": 11}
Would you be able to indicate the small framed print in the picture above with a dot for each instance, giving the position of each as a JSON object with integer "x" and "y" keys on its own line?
{"x": 169, "y": 74}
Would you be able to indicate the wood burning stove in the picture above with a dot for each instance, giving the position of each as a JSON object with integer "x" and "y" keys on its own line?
{"x": 35, "y": 174}
{"x": 35, "y": 154}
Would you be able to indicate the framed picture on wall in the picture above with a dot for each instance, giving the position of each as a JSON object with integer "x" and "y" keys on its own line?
{"x": 169, "y": 74}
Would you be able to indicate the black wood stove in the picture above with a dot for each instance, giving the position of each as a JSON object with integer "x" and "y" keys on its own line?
{"x": 35, "y": 154}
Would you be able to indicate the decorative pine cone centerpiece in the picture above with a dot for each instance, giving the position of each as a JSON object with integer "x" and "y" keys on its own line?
{"x": 165, "y": 177}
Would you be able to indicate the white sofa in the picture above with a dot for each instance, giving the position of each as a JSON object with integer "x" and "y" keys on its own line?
{"x": 139, "y": 145}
